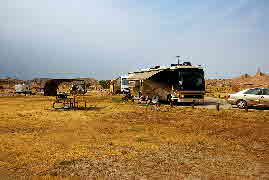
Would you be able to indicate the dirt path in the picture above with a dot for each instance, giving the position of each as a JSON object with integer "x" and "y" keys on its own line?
{"x": 210, "y": 103}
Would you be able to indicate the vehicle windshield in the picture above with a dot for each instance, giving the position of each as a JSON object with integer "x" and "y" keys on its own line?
{"x": 124, "y": 82}
{"x": 182, "y": 79}
{"x": 189, "y": 79}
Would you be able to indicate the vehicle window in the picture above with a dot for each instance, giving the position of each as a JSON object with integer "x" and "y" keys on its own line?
{"x": 124, "y": 82}
{"x": 253, "y": 91}
{"x": 192, "y": 80}
{"x": 265, "y": 92}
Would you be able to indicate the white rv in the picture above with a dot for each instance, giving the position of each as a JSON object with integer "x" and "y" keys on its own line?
{"x": 120, "y": 85}
{"x": 124, "y": 84}
{"x": 22, "y": 89}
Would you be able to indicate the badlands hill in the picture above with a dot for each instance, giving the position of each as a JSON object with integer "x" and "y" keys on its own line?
{"x": 241, "y": 82}
{"x": 9, "y": 83}
{"x": 223, "y": 87}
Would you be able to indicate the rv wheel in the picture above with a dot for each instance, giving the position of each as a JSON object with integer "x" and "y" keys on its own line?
{"x": 169, "y": 98}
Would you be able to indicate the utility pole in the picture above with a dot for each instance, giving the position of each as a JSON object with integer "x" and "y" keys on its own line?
{"x": 178, "y": 59}
{"x": 259, "y": 70}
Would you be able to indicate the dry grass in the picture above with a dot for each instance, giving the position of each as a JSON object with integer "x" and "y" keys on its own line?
{"x": 220, "y": 92}
{"x": 124, "y": 140}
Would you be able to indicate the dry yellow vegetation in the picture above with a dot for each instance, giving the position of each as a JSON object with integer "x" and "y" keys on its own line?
{"x": 119, "y": 140}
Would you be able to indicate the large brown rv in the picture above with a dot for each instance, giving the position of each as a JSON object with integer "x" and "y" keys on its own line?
{"x": 178, "y": 83}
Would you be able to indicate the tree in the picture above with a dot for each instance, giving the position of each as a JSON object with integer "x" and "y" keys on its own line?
{"x": 105, "y": 83}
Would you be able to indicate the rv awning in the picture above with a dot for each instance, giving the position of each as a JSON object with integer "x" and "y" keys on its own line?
{"x": 142, "y": 75}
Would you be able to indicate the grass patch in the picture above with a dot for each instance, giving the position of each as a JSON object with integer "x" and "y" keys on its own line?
{"x": 116, "y": 99}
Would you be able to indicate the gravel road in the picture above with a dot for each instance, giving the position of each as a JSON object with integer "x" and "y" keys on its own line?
{"x": 211, "y": 102}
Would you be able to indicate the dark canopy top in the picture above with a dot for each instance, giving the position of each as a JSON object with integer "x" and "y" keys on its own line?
{"x": 51, "y": 86}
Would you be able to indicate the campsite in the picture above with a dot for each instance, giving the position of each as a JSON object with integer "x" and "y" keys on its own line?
{"x": 122, "y": 89}
{"x": 122, "y": 140}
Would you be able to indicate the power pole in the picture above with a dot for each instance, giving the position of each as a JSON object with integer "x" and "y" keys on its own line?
{"x": 178, "y": 59}
{"x": 258, "y": 70}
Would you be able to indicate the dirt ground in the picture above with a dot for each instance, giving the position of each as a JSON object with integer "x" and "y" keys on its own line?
{"x": 121, "y": 140}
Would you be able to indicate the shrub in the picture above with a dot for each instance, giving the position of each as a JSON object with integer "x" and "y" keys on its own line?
{"x": 104, "y": 83}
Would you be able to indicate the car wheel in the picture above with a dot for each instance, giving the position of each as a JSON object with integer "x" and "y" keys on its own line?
{"x": 241, "y": 104}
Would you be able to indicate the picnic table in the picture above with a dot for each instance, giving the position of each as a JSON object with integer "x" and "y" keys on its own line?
{"x": 69, "y": 102}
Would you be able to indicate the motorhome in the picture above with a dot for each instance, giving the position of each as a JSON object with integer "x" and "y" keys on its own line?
{"x": 124, "y": 83}
{"x": 183, "y": 83}
{"x": 120, "y": 85}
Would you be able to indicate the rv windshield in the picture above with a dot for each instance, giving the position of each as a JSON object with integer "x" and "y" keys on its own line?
{"x": 191, "y": 80}
{"x": 124, "y": 81}
{"x": 182, "y": 79}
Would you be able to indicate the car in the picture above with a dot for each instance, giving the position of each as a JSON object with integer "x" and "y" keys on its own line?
{"x": 258, "y": 97}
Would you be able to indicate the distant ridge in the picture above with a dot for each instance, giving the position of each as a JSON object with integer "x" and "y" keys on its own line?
{"x": 9, "y": 82}
{"x": 244, "y": 81}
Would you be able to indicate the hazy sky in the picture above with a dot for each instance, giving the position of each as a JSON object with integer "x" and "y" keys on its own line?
{"x": 104, "y": 38}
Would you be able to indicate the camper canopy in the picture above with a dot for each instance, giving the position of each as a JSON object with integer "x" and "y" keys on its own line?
{"x": 51, "y": 86}
{"x": 142, "y": 75}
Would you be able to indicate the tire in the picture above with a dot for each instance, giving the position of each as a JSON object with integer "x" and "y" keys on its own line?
{"x": 241, "y": 104}
{"x": 170, "y": 101}
{"x": 155, "y": 99}
{"x": 169, "y": 98}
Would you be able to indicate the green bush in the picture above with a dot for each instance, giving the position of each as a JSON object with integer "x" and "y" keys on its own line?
{"x": 105, "y": 83}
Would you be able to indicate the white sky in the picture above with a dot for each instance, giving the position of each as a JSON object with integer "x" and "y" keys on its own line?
{"x": 104, "y": 38}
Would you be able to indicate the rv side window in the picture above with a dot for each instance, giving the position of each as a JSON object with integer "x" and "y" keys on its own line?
{"x": 131, "y": 84}
{"x": 180, "y": 79}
